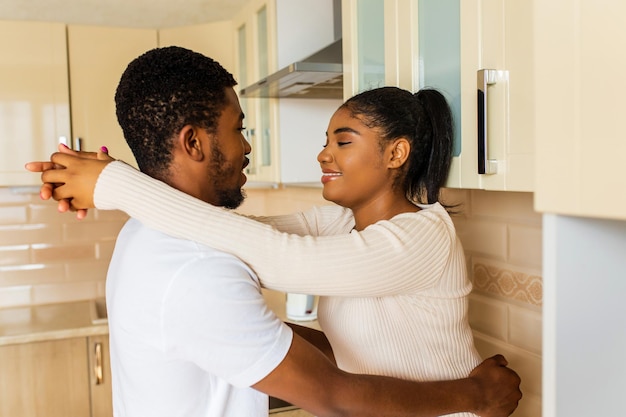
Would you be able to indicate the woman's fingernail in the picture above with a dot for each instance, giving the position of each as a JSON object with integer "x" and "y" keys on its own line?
{"x": 65, "y": 146}
{"x": 104, "y": 149}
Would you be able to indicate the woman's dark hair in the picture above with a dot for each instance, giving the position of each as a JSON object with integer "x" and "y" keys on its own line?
{"x": 159, "y": 93}
{"x": 423, "y": 118}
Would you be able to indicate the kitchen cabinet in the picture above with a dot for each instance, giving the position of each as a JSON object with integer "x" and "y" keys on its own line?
{"x": 579, "y": 71}
{"x": 97, "y": 58}
{"x": 255, "y": 34}
{"x": 444, "y": 44}
{"x": 286, "y": 134}
{"x": 34, "y": 96}
{"x": 56, "y": 378}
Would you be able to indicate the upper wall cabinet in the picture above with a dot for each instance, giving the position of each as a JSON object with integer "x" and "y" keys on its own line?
{"x": 285, "y": 133}
{"x": 255, "y": 40}
{"x": 97, "y": 58}
{"x": 478, "y": 53}
{"x": 579, "y": 108}
{"x": 34, "y": 96}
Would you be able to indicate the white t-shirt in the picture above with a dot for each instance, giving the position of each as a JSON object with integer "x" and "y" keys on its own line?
{"x": 189, "y": 329}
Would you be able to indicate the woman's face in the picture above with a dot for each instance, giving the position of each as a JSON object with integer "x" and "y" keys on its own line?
{"x": 354, "y": 171}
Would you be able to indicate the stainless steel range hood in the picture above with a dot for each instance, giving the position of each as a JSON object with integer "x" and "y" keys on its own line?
{"x": 317, "y": 76}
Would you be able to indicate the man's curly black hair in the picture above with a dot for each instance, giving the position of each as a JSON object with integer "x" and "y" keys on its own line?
{"x": 159, "y": 93}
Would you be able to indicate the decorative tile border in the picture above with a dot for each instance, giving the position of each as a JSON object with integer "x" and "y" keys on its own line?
{"x": 509, "y": 284}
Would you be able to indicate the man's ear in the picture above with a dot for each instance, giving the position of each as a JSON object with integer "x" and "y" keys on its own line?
{"x": 190, "y": 143}
{"x": 400, "y": 149}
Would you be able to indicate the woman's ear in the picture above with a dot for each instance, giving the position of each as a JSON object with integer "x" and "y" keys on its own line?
{"x": 400, "y": 149}
{"x": 190, "y": 143}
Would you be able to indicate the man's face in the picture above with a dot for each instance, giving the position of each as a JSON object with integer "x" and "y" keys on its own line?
{"x": 228, "y": 156}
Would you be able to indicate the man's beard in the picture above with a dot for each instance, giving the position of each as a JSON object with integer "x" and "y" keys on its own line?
{"x": 228, "y": 198}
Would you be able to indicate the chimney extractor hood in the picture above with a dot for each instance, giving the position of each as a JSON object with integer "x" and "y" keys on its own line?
{"x": 317, "y": 76}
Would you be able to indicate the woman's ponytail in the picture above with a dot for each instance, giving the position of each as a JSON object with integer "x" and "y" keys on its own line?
{"x": 441, "y": 138}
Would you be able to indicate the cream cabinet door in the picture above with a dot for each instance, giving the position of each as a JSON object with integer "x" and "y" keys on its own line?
{"x": 255, "y": 58}
{"x": 97, "y": 58}
{"x": 579, "y": 108}
{"x": 44, "y": 379}
{"x": 34, "y": 96}
{"x": 495, "y": 136}
{"x": 444, "y": 44}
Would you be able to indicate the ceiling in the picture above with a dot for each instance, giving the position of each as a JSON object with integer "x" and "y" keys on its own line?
{"x": 156, "y": 14}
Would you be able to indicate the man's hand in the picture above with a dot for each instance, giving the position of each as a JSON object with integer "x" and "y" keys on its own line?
{"x": 498, "y": 386}
{"x": 70, "y": 176}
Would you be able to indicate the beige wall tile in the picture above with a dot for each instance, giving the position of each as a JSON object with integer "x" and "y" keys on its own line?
{"x": 46, "y": 212}
{"x": 13, "y": 214}
{"x": 29, "y": 234}
{"x": 505, "y": 205}
{"x": 14, "y": 255}
{"x": 9, "y": 196}
{"x": 486, "y": 238}
{"x": 503, "y": 280}
{"x": 104, "y": 250}
{"x": 15, "y": 296}
{"x": 525, "y": 245}
{"x": 64, "y": 292}
{"x": 488, "y": 316}
{"x": 87, "y": 271}
{"x": 44, "y": 253}
{"x": 525, "y": 328}
{"x": 90, "y": 231}
{"x": 19, "y": 275}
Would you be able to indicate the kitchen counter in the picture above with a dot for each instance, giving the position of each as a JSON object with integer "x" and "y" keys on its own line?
{"x": 76, "y": 319}
{"x": 48, "y": 322}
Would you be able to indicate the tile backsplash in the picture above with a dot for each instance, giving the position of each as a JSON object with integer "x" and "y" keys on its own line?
{"x": 47, "y": 257}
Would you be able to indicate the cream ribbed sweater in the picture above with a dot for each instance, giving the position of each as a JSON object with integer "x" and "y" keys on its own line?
{"x": 394, "y": 296}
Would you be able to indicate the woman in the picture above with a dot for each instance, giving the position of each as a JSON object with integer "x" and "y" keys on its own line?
{"x": 386, "y": 261}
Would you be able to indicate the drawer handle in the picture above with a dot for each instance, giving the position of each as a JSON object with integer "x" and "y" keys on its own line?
{"x": 97, "y": 368}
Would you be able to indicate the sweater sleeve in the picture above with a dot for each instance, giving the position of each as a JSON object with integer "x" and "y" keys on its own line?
{"x": 316, "y": 221}
{"x": 407, "y": 253}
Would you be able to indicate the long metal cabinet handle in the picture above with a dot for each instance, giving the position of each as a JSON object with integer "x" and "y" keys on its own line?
{"x": 97, "y": 367}
{"x": 485, "y": 77}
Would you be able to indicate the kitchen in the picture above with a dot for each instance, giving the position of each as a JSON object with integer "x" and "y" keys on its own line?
{"x": 533, "y": 225}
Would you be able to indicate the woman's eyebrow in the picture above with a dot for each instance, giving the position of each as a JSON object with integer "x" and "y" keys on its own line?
{"x": 344, "y": 130}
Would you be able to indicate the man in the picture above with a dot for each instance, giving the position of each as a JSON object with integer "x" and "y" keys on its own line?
{"x": 190, "y": 332}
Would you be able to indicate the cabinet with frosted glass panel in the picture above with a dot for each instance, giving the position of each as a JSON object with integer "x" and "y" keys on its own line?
{"x": 468, "y": 50}
{"x": 285, "y": 133}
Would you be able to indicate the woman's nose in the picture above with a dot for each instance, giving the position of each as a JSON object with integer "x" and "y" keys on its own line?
{"x": 324, "y": 156}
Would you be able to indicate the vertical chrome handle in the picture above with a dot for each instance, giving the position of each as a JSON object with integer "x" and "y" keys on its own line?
{"x": 97, "y": 367}
{"x": 485, "y": 77}
{"x": 78, "y": 144}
